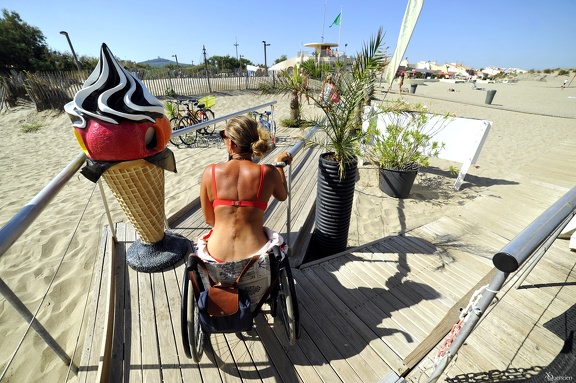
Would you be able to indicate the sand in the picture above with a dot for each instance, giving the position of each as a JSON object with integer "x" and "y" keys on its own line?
{"x": 526, "y": 116}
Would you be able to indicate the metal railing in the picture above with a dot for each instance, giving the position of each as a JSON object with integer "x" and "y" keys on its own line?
{"x": 22, "y": 220}
{"x": 530, "y": 244}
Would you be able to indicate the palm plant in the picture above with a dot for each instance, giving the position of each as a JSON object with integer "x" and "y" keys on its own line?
{"x": 341, "y": 123}
{"x": 291, "y": 83}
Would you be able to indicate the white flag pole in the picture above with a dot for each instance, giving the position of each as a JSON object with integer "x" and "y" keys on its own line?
{"x": 339, "y": 30}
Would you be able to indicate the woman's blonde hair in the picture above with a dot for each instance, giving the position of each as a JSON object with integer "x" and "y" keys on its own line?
{"x": 248, "y": 135}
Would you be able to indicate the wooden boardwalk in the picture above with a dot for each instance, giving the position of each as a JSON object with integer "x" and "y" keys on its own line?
{"x": 369, "y": 314}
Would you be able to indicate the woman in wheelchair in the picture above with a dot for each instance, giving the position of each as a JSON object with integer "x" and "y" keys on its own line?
{"x": 234, "y": 196}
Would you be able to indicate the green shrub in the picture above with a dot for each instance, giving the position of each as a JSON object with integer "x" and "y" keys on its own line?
{"x": 31, "y": 127}
{"x": 292, "y": 123}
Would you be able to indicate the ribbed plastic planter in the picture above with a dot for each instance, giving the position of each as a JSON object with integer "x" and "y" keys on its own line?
{"x": 397, "y": 183}
{"x": 334, "y": 201}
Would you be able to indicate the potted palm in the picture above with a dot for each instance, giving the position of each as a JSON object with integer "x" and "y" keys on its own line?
{"x": 400, "y": 140}
{"x": 340, "y": 135}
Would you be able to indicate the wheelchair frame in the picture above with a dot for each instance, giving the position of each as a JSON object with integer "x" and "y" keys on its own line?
{"x": 281, "y": 297}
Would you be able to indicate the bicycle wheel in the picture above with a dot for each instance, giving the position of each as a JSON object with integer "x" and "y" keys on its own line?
{"x": 207, "y": 114}
{"x": 175, "y": 124}
{"x": 288, "y": 303}
{"x": 187, "y": 138}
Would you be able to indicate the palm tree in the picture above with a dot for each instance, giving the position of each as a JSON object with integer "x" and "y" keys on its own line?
{"x": 292, "y": 83}
{"x": 342, "y": 122}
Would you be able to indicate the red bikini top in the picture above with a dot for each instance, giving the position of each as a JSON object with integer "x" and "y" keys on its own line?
{"x": 225, "y": 202}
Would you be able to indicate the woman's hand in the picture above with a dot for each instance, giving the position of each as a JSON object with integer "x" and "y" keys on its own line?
{"x": 284, "y": 157}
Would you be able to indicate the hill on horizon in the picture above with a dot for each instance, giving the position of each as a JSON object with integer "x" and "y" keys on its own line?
{"x": 158, "y": 62}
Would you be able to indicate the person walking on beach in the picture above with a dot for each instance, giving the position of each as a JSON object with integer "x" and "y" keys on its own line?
{"x": 401, "y": 81}
{"x": 327, "y": 91}
{"x": 564, "y": 84}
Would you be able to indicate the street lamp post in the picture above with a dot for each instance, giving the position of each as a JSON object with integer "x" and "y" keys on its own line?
{"x": 176, "y": 57}
{"x": 265, "y": 62}
{"x": 72, "y": 49}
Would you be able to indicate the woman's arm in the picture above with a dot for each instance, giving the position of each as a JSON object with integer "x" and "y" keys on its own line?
{"x": 205, "y": 203}
{"x": 280, "y": 191}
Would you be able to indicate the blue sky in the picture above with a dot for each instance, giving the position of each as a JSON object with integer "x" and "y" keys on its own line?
{"x": 527, "y": 34}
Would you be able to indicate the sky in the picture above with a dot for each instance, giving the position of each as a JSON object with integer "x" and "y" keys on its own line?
{"x": 525, "y": 34}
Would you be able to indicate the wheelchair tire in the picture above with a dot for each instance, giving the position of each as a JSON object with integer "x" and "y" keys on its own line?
{"x": 288, "y": 303}
{"x": 192, "y": 335}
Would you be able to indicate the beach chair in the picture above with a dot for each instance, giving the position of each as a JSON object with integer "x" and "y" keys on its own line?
{"x": 280, "y": 297}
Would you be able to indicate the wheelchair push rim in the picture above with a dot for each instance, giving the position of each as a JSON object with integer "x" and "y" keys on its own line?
{"x": 287, "y": 303}
{"x": 193, "y": 338}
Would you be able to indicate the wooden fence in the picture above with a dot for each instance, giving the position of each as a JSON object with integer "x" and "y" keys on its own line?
{"x": 52, "y": 90}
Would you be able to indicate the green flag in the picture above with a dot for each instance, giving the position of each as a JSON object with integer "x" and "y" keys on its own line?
{"x": 336, "y": 20}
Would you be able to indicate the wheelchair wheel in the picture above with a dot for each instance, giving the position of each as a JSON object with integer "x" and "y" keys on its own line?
{"x": 287, "y": 302}
{"x": 192, "y": 335}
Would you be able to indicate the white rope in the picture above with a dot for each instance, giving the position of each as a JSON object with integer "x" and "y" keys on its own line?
{"x": 46, "y": 293}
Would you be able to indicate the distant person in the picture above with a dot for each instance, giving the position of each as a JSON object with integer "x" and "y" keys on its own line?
{"x": 564, "y": 83}
{"x": 401, "y": 81}
{"x": 328, "y": 90}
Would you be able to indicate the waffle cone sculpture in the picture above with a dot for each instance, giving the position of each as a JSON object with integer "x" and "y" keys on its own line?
{"x": 123, "y": 131}
{"x": 139, "y": 189}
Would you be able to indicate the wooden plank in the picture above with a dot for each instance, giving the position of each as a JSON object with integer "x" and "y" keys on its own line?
{"x": 278, "y": 360}
{"x": 107, "y": 301}
{"x": 372, "y": 308}
{"x": 189, "y": 370}
{"x": 307, "y": 360}
{"x": 133, "y": 371}
{"x": 318, "y": 328}
{"x": 89, "y": 362}
{"x": 364, "y": 277}
{"x": 166, "y": 326}
{"x": 148, "y": 328}
{"x": 444, "y": 326}
{"x": 222, "y": 362}
{"x": 117, "y": 362}
{"x": 361, "y": 341}
{"x": 428, "y": 298}
{"x": 405, "y": 303}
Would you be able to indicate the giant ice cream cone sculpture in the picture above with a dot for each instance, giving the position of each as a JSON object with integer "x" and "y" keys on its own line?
{"x": 123, "y": 131}
{"x": 139, "y": 188}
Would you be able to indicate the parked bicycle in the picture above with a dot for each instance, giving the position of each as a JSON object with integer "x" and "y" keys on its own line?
{"x": 265, "y": 120}
{"x": 197, "y": 111}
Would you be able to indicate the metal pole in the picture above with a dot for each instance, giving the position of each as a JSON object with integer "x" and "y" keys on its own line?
{"x": 72, "y": 49}
{"x": 239, "y": 64}
{"x": 14, "y": 228}
{"x": 513, "y": 255}
{"x": 265, "y": 61}
{"x": 21, "y": 308}
{"x": 206, "y": 66}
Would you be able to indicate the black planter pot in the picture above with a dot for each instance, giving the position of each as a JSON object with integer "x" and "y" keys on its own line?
{"x": 397, "y": 183}
{"x": 334, "y": 199}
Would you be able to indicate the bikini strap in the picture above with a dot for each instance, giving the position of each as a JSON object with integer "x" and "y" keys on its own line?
{"x": 261, "y": 182}
{"x": 214, "y": 183}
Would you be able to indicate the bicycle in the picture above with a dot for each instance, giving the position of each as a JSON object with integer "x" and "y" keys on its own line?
{"x": 270, "y": 125}
{"x": 191, "y": 117}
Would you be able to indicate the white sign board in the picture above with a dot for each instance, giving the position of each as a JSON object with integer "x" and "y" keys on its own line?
{"x": 463, "y": 138}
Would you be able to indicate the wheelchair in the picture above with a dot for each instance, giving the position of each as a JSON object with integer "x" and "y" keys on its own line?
{"x": 281, "y": 299}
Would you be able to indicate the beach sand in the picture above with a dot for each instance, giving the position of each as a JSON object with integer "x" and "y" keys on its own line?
{"x": 527, "y": 117}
